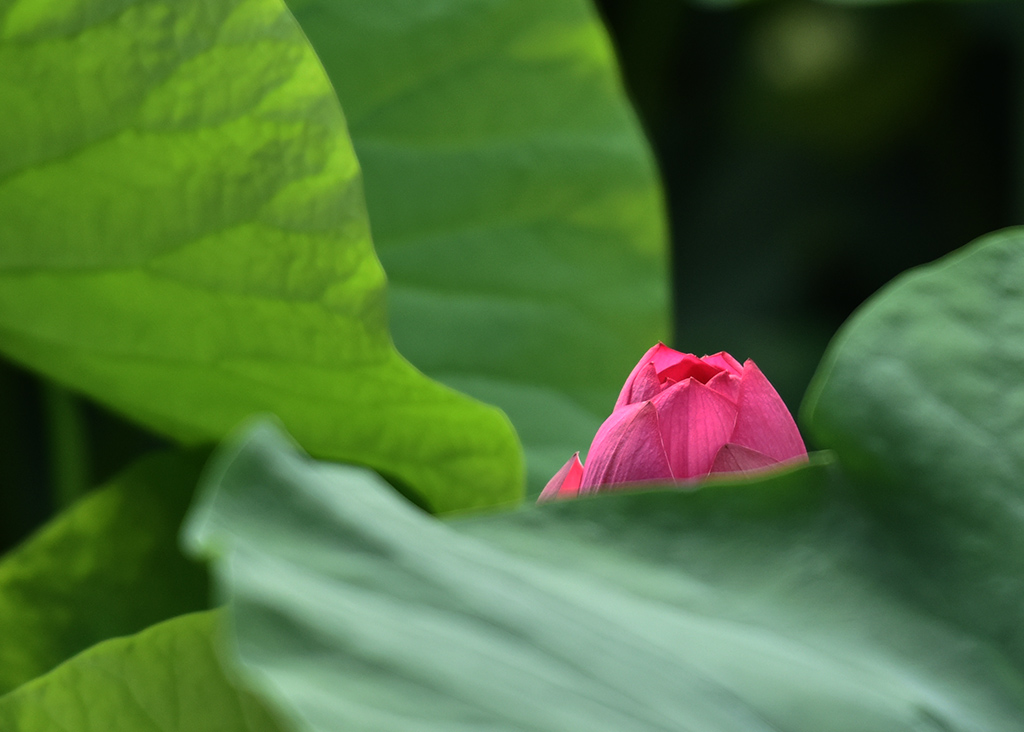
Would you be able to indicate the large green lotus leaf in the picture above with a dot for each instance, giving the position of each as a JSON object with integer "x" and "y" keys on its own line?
{"x": 922, "y": 396}
{"x": 108, "y": 566}
{"x": 165, "y": 679}
{"x": 183, "y": 237}
{"x": 767, "y": 605}
{"x": 514, "y": 201}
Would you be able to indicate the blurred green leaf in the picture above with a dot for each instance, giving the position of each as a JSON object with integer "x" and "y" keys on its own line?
{"x": 720, "y": 4}
{"x": 514, "y": 201}
{"x": 185, "y": 239}
{"x": 871, "y": 3}
{"x": 921, "y": 394}
{"x": 108, "y": 566}
{"x": 767, "y": 604}
{"x": 165, "y": 679}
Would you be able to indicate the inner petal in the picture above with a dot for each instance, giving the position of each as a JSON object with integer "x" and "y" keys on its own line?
{"x": 688, "y": 367}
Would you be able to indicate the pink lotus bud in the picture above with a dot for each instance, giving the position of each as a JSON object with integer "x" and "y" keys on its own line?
{"x": 682, "y": 418}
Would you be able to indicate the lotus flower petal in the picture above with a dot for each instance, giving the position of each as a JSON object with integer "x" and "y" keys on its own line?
{"x": 665, "y": 358}
{"x": 687, "y": 367}
{"x": 695, "y": 422}
{"x": 679, "y": 417}
{"x": 627, "y": 449}
{"x": 725, "y": 362}
{"x": 764, "y": 423}
{"x": 726, "y": 384}
{"x": 566, "y": 482}
{"x": 645, "y": 385}
{"x": 625, "y": 395}
{"x": 738, "y": 459}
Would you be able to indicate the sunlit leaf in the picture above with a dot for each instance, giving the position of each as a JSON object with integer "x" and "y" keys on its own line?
{"x": 184, "y": 239}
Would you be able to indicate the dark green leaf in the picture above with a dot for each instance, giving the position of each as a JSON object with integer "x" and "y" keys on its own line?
{"x": 165, "y": 679}
{"x": 514, "y": 202}
{"x": 108, "y": 566}
{"x": 922, "y": 396}
{"x": 763, "y": 605}
{"x": 184, "y": 239}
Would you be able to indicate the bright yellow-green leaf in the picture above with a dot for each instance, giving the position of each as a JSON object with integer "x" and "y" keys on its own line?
{"x": 165, "y": 679}
{"x": 183, "y": 237}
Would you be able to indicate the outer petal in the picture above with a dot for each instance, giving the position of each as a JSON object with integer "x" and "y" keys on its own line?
{"x": 627, "y": 449}
{"x": 738, "y": 459}
{"x": 695, "y": 422}
{"x": 566, "y": 482}
{"x": 764, "y": 423}
{"x": 724, "y": 361}
{"x": 625, "y": 396}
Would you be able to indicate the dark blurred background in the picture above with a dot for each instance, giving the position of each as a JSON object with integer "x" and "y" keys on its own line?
{"x": 810, "y": 152}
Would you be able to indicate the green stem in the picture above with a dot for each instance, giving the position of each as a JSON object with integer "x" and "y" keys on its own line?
{"x": 69, "y": 453}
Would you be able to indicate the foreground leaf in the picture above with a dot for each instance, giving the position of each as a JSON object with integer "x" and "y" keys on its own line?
{"x": 184, "y": 239}
{"x": 165, "y": 679}
{"x": 108, "y": 566}
{"x": 921, "y": 395}
{"x": 514, "y": 201}
{"x": 757, "y": 606}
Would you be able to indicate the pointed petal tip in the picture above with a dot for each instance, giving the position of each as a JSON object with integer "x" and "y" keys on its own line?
{"x": 765, "y": 423}
{"x": 725, "y": 361}
{"x": 565, "y": 483}
{"x": 625, "y": 394}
